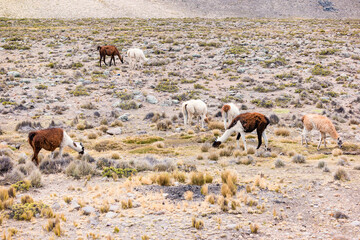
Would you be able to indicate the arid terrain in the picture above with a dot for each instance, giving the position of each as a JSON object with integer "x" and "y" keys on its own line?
{"x": 144, "y": 174}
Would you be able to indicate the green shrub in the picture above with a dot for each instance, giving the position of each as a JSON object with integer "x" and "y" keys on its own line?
{"x": 120, "y": 172}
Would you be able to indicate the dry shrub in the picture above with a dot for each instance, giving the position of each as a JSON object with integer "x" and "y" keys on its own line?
{"x": 79, "y": 169}
{"x": 92, "y": 136}
{"x": 35, "y": 178}
{"x": 188, "y": 195}
{"x": 163, "y": 179}
{"x": 228, "y": 175}
{"x": 341, "y": 174}
{"x": 284, "y": 132}
{"x": 291, "y": 153}
{"x": 337, "y": 152}
{"x": 200, "y": 157}
{"x": 205, "y": 147}
{"x": 227, "y": 152}
{"x": 53, "y": 225}
{"x": 26, "y": 199}
{"x": 208, "y": 178}
{"x": 179, "y": 176}
{"x": 126, "y": 204}
{"x": 250, "y": 150}
{"x": 198, "y": 224}
{"x": 254, "y": 228}
{"x": 6, "y": 164}
{"x": 115, "y": 156}
{"x": 279, "y": 163}
{"x": 108, "y": 145}
{"x": 298, "y": 159}
{"x": 197, "y": 178}
{"x": 321, "y": 164}
{"x": 213, "y": 156}
{"x": 204, "y": 190}
{"x": 229, "y": 180}
{"x": 210, "y": 198}
{"x": 105, "y": 207}
{"x": 216, "y": 125}
{"x": 216, "y": 132}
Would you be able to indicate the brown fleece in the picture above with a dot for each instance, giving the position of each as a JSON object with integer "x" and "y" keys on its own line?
{"x": 49, "y": 139}
{"x": 109, "y": 51}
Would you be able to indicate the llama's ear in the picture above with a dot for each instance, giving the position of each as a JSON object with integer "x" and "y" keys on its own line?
{"x": 75, "y": 144}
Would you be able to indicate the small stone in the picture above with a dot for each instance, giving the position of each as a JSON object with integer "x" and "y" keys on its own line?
{"x": 355, "y": 223}
{"x": 124, "y": 117}
{"x": 14, "y": 74}
{"x": 231, "y": 226}
{"x": 88, "y": 210}
{"x": 114, "y": 131}
{"x": 151, "y": 99}
{"x": 113, "y": 208}
{"x": 111, "y": 215}
{"x": 74, "y": 205}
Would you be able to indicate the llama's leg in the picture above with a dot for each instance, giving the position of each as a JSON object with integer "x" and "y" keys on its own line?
{"x": 324, "y": 136}
{"x": 114, "y": 60}
{"x": 318, "y": 147}
{"x": 203, "y": 121}
{"x": 111, "y": 58}
{"x": 266, "y": 141}
{"x": 243, "y": 139}
{"x": 100, "y": 60}
{"x": 52, "y": 155}
{"x": 237, "y": 140}
{"x": 104, "y": 60}
{"x": 304, "y": 137}
{"x": 61, "y": 152}
{"x": 35, "y": 157}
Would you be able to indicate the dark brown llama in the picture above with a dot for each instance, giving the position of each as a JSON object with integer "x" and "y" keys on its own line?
{"x": 109, "y": 51}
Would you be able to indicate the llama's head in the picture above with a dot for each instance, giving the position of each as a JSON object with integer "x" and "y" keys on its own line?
{"x": 79, "y": 147}
{"x": 216, "y": 143}
{"x": 339, "y": 142}
{"x": 99, "y": 47}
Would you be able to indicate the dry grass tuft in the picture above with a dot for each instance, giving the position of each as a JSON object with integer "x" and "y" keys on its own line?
{"x": 284, "y": 132}
{"x": 210, "y": 198}
{"x": 53, "y": 225}
{"x": 26, "y": 199}
{"x": 208, "y": 178}
{"x": 163, "y": 179}
{"x": 298, "y": 159}
{"x": 126, "y": 204}
{"x": 279, "y": 163}
{"x": 213, "y": 156}
{"x": 254, "y": 228}
{"x": 198, "y": 224}
{"x": 179, "y": 176}
{"x": 341, "y": 174}
{"x": 336, "y": 152}
{"x": 216, "y": 125}
{"x": 188, "y": 195}
{"x": 227, "y": 152}
{"x": 197, "y": 178}
{"x": 204, "y": 190}
{"x": 67, "y": 199}
{"x": 251, "y": 150}
{"x": 205, "y": 147}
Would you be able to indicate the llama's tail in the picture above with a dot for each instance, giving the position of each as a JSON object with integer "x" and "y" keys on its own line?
{"x": 31, "y": 137}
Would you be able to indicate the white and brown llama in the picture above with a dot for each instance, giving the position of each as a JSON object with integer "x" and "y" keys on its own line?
{"x": 194, "y": 108}
{"x": 136, "y": 57}
{"x": 50, "y": 139}
{"x": 229, "y": 111}
{"x": 246, "y": 123}
{"x": 323, "y": 125}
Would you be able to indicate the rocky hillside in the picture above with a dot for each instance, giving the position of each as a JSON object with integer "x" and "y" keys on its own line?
{"x": 180, "y": 8}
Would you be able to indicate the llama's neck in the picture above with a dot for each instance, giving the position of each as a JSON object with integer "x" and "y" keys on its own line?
{"x": 67, "y": 141}
{"x": 226, "y": 135}
{"x": 334, "y": 133}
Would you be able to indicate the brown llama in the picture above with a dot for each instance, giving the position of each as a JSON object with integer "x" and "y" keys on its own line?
{"x": 50, "y": 139}
{"x": 323, "y": 125}
{"x": 246, "y": 123}
{"x": 109, "y": 51}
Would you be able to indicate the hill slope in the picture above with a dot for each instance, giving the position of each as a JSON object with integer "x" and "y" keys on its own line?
{"x": 180, "y": 8}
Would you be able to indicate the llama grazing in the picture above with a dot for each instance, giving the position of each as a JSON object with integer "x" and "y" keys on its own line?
{"x": 193, "y": 108}
{"x": 136, "y": 56}
{"x": 246, "y": 123}
{"x": 109, "y": 51}
{"x": 229, "y": 112}
{"x": 50, "y": 139}
{"x": 323, "y": 125}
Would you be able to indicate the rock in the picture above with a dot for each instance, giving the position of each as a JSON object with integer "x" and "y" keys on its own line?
{"x": 355, "y": 223}
{"x": 14, "y": 74}
{"x": 231, "y": 226}
{"x": 149, "y": 116}
{"x": 124, "y": 117}
{"x": 56, "y": 206}
{"x": 94, "y": 221}
{"x": 114, "y": 131}
{"x": 88, "y": 210}
{"x": 111, "y": 215}
{"x": 74, "y": 205}
{"x": 241, "y": 70}
{"x": 151, "y": 99}
{"x": 96, "y": 114}
{"x": 113, "y": 208}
